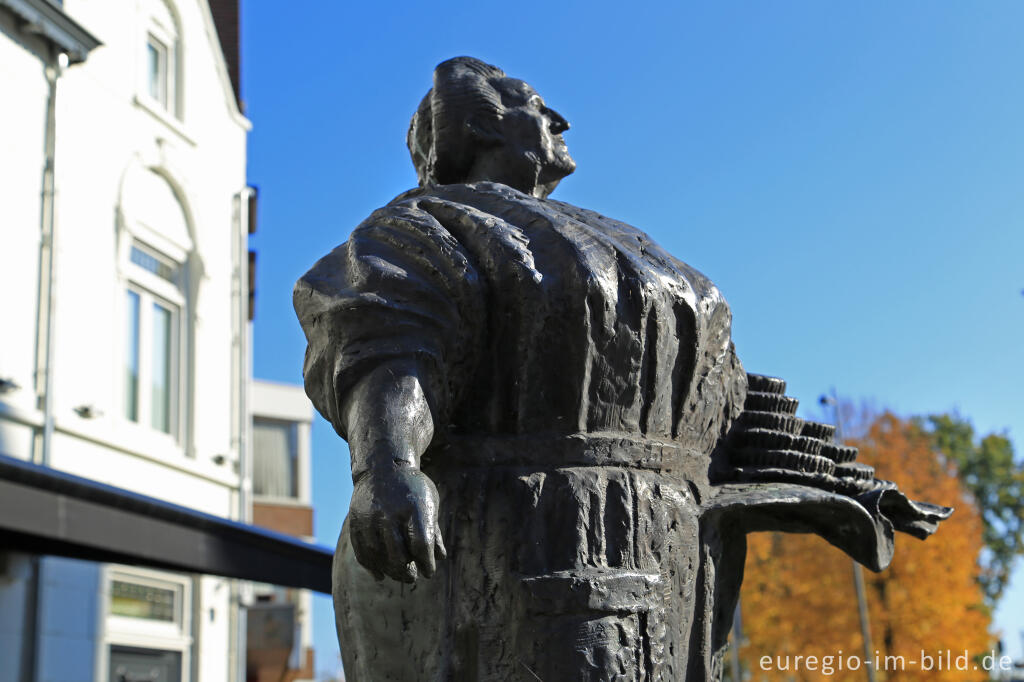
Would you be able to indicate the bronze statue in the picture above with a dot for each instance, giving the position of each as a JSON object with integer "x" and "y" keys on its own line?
{"x": 556, "y": 453}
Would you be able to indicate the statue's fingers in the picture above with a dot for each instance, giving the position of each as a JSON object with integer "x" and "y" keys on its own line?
{"x": 398, "y": 561}
{"x": 421, "y": 543}
{"x": 364, "y": 547}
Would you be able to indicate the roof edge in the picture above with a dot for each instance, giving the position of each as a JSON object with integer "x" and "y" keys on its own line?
{"x": 221, "y": 66}
{"x": 46, "y": 19}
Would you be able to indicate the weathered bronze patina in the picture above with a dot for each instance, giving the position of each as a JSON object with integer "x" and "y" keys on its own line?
{"x": 556, "y": 453}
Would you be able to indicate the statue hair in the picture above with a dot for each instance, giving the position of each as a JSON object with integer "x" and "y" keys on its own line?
{"x": 443, "y": 135}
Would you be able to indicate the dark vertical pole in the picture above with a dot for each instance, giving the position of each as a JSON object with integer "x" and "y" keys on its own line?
{"x": 29, "y": 630}
{"x": 865, "y": 629}
{"x": 737, "y": 638}
{"x": 858, "y": 572}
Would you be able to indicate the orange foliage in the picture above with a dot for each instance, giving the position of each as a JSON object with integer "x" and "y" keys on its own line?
{"x": 798, "y": 595}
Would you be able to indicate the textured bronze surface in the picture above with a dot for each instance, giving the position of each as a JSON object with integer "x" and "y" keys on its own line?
{"x": 556, "y": 453}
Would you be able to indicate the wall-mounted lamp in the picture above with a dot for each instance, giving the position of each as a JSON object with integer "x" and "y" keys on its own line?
{"x": 88, "y": 411}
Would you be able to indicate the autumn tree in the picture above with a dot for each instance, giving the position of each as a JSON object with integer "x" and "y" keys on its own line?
{"x": 798, "y": 596}
{"x": 994, "y": 479}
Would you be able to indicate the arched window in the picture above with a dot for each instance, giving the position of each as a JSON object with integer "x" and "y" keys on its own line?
{"x": 162, "y": 62}
{"x": 155, "y": 250}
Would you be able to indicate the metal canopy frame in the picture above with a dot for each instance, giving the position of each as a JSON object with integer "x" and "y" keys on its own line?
{"x": 45, "y": 511}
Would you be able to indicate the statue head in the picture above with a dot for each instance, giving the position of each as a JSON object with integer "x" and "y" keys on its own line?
{"x": 476, "y": 124}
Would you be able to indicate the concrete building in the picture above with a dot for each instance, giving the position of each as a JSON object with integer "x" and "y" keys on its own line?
{"x": 124, "y": 356}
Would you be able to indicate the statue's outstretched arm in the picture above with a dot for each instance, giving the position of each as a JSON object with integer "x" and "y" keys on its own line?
{"x": 783, "y": 473}
{"x": 393, "y": 513}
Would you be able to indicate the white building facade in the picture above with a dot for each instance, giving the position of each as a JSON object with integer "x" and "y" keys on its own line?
{"x": 124, "y": 355}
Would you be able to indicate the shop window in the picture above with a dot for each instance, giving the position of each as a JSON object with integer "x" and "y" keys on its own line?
{"x": 148, "y": 626}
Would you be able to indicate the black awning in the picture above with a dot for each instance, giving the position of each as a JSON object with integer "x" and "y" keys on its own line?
{"x": 45, "y": 511}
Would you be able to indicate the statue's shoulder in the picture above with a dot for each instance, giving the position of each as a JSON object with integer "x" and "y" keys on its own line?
{"x": 457, "y": 207}
{"x": 417, "y": 226}
{"x": 642, "y": 245}
{"x": 474, "y": 196}
{"x": 421, "y": 201}
{"x": 407, "y": 212}
{"x": 589, "y": 217}
{"x": 407, "y": 197}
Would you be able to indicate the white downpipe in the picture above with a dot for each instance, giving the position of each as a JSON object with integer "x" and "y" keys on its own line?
{"x": 45, "y": 336}
{"x": 243, "y": 426}
{"x": 48, "y": 256}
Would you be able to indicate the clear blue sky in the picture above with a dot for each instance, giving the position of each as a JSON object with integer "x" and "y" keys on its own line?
{"x": 851, "y": 176}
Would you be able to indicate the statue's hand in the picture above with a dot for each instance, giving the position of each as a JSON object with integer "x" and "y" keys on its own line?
{"x": 393, "y": 523}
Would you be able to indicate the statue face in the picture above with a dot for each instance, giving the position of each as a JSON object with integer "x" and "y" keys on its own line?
{"x": 532, "y": 155}
{"x": 533, "y": 128}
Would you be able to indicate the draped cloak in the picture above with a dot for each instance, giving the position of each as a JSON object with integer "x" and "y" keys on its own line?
{"x": 580, "y": 379}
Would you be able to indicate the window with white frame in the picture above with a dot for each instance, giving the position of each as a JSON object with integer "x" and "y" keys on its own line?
{"x": 156, "y": 70}
{"x": 162, "y": 58}
{"x": 152, "y": 351}
{"x": 276, "y": 456}
{"x": 148, "y": 625}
